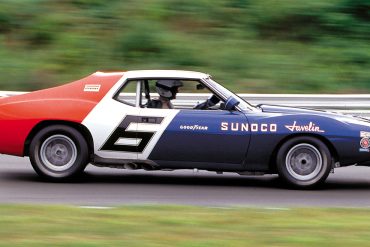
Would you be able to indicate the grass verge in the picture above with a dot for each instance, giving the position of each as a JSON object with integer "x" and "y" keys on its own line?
{"x": 182, "y": 226}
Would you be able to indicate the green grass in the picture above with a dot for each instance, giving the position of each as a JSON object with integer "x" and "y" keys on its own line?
{"x": 182, "y": 226}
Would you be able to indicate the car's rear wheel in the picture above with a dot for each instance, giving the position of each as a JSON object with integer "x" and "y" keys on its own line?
{"x": 304, "y": 162}
{"x": 59, "y": 152}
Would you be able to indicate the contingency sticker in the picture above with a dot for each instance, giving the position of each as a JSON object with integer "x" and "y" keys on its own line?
{"x": 92, "y": 88}
{"x": 193, "y": 127}
{"x": 364, "y": 134}
{"x": 365, "y": 144}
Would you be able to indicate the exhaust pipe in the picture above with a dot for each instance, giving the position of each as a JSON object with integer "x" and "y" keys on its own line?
{"x": 130, "y": 166}
{"x": 147, "y": 167}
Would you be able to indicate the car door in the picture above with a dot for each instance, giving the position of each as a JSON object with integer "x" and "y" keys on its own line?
{"x": 203, "y": 139}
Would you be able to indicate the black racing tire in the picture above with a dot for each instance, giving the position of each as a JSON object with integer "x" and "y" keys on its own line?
{"x": 304, "y": 162}
{"x": 58, "y": 153}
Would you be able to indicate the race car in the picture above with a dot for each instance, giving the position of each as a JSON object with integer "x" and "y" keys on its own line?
{"x": 137, "y": 120}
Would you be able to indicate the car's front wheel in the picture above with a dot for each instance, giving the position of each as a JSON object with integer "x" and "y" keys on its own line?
{"x": 304, "y": 162}
{"x": 58, "y": 152}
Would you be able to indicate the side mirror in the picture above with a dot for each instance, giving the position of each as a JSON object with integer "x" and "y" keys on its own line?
{"x": 200, "y": 86}
{"x": 231, "y": 103}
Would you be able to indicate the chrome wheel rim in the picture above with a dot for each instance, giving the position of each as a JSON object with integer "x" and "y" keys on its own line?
{"x": 58, "y": 153}
{"x": 304, "y": 162}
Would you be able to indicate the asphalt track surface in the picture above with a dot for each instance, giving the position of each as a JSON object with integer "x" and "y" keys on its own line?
{"x": 102, "y": 187}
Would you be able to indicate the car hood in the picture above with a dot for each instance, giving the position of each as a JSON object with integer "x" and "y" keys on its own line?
{"x": 295, "y": 111}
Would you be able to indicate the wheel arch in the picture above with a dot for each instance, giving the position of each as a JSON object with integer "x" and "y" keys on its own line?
{"x": 79, "y": 127}
{"x": 272, "y": 161}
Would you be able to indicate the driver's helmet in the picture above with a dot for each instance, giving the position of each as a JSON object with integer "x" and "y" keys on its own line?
{"x": 168, "y": 88}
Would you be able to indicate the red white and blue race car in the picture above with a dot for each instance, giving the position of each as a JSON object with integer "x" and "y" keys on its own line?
{"x": 133, "y": 120}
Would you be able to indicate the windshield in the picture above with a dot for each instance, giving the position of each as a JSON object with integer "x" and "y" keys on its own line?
{"x": 244, "y": 105}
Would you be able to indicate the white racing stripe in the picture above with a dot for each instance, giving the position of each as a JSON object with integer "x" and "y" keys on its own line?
{"x": 96, "y": 207}
{"x": 105, "y": 118}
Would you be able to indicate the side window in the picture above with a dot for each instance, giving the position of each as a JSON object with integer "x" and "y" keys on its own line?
{"x": 175, "y": 94}
{"x": 127, "y": 93}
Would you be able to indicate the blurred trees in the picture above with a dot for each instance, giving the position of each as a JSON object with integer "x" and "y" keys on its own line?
{"x": 251, "y": 46}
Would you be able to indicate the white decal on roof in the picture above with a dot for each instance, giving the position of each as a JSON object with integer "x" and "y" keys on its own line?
{"x": 92, "y": 88}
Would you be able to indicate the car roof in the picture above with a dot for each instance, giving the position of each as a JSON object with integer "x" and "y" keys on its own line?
{"x": 162, "y": 74}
